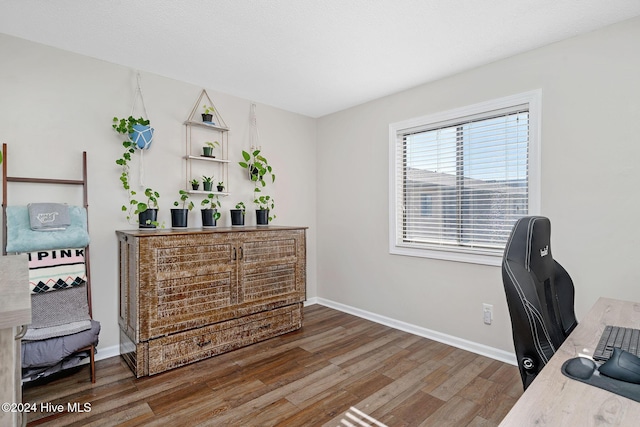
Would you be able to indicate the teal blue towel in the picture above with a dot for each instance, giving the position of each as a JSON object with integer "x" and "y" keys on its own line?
{"x": 21, "y": 238}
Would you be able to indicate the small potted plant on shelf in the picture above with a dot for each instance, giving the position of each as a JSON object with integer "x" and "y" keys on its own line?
{"x": 207, "y": 183}
{"x": 264, "y": 206}
{"x": 220, "y": 186}
{"x": 209, "y": 211}
{"x": 207, "y": 150}
{"x": 207, "y": 116}
{"x": 237, "y": 215}
{"x": 180, "y": 216}
{"x": 195, "y": 184}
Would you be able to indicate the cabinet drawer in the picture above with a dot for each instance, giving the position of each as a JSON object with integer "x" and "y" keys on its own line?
{"x": 182, "y": 348}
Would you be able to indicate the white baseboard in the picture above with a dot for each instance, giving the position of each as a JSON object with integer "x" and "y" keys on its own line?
{"x": 103, "y": 353}
{"x": 107, "y": 352}
{"x": 484, "y": 350}
{"x": 311, "y": 301}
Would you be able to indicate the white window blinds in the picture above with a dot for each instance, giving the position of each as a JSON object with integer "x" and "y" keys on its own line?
{"x": 460, "y": 184}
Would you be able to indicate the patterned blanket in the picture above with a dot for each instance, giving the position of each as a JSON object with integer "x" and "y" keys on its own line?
{"x": 56, "y": 269}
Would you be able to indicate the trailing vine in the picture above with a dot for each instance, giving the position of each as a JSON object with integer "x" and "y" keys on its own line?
{"x": 259, "y": 167}
{"x": 134, "y": 206}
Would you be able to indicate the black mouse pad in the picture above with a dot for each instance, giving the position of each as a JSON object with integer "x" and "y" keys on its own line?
{"x": 586, "y": 371}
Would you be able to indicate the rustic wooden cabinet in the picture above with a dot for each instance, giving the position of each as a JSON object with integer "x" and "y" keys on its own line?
{"x": 188, "y": 295}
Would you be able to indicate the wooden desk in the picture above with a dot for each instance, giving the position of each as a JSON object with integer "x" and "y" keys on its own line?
{"x": 555, "y": 400}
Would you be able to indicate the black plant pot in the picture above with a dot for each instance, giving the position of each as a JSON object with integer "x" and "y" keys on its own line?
{"x": 195, "y": 186}
{"x": 208, "y": 217}
{"x": 148, "y": 218}
{"x": 237, "y": 217}
{"x": 207, "y": 117}
{"x": 179, "y": 218}
{"x": 254, "y": 174}
{"x": 207, "y": 186}
{"x": 262, "y": 216}
{"x": 220, "y": 188}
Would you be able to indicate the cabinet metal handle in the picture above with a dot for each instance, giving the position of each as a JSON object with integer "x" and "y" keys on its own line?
{"x": 234, "y": 256}
{"x": 241, "y": 253}
{"x": 202, "y": 344}
{"x": 22, "y": 332}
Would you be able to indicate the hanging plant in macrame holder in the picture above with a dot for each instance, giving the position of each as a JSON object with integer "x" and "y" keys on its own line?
{"x": 141, "y": 136}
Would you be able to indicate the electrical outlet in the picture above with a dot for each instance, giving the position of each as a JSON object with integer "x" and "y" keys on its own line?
{"x": 487, "y": 313}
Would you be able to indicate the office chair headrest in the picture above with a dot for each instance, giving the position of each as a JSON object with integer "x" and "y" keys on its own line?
{"x": 530, "y": 245}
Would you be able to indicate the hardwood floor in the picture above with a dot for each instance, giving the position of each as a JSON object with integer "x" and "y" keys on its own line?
{"x": 336, "y": 367}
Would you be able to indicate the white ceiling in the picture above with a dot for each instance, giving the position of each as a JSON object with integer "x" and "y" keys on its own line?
{"x": 313, "y": 57}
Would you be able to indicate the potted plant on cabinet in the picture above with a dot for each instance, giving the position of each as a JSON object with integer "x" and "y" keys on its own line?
{"x": 207, "y": 183}
{"x": 237, "y": 215}
{"x": 147, "y": 212}
{"x": 180, "y": 216}
{"x": 134, "y": 207}
{"x": 209, "y": 211}
{"x": 264, "y": 206}
{"x": 220, "y": 186}
{"x": 195, "y": 184}
{"x": 207, "y": 150}
{"x": 207, "y": 116}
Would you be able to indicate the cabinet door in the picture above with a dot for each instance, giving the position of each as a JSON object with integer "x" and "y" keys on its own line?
{"x": 272, "y": 269}
{"x": 186, "y": 281}
{"x": 128, "y": 282}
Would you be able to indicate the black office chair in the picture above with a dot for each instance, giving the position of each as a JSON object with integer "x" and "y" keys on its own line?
{"x": 540, "y": 296}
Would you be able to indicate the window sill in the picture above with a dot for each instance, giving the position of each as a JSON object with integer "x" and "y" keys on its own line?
{"x": 490, "y": 259}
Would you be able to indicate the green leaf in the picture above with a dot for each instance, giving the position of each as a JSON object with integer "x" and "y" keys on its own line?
{"x": 246, "y": 156}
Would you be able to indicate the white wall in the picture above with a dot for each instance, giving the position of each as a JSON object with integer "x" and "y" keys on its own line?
{"x": 55, "y": 104}
{"x": 590, "y": 147}
{"x": 590, "y": 152}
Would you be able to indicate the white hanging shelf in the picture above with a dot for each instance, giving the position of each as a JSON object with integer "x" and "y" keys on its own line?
{"x": 218, "y": 122}
{"x": 196, "y": 131}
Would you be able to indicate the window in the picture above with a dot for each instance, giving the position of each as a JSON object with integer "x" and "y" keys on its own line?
{"x": 460, "y": 179}
{"x": 425, "y": 204}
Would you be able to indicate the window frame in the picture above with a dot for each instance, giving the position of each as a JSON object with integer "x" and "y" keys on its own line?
{"x": 462, "y": 254}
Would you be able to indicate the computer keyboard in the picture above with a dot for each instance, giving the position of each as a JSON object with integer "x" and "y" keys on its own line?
{"x": 627, "y": 339}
